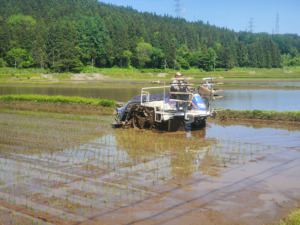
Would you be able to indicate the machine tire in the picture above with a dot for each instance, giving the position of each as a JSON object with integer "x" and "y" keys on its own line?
{"x": 143, "y": 118}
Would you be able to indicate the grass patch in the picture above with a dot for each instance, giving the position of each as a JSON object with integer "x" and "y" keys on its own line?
{"x": 292, "y": 219}
{"x": 133, "y": 74}
{"x": 287, "y": 116}
{"x": 58, "y": 98}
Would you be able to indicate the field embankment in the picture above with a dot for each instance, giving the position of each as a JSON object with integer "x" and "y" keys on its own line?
{"x": 9, "y": 75}
{"x": 287, "y": 116}
{"x": 80, "y": 105}
{"x": 293, "y": 218}
{"x": 59, "y": 104}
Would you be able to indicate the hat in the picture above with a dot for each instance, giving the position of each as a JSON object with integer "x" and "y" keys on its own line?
{"x": 178, "y": 74}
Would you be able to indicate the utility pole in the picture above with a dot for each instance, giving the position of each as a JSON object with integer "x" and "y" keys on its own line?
{"x": 175, "y": 64}
{"x": 214, "y": 64}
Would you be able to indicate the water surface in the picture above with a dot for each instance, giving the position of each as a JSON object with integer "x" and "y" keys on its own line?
{"x": 243, "y": 99}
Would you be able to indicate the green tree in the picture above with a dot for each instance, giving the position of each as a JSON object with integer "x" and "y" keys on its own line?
{"x": 22, "y": 31}
{"x": 242, "y": 55}
{"x": 126, "y": 59}
{"x": 157, "y": 58}
{"x": 295, "y": 62}
{"x": 209, "y": 59}
{"x": 92, "y": 38}
{"x": 144, "y": 51}
{"x": 102, "y": 32}
{"x": 63, "y": 51}
{"x": 2, "y": 62}
{"x": 21, "y": 20}
{"x": 19, "y": 57}
{"x": 196, "y": 59}
{"x": 183, "y": 56}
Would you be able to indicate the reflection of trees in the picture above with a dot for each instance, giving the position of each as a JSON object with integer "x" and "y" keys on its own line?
{"x": 181, "y": 148}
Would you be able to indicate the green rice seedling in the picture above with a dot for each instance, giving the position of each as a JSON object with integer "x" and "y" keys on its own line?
{"x": 224, "y": 161}
{"x": 141, "y": 193}
{"x": 244, "y": 158}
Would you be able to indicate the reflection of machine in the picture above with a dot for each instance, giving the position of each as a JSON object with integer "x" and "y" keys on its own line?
{"x": 168, "y": 111}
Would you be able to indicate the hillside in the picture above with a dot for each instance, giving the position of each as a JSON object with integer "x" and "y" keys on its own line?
{"x": 66, "y": 35}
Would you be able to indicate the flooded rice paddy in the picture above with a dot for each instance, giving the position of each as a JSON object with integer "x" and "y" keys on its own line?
{"x": 71, "y": 169}
{"x": 245, "y": 98}
{"x": 261, "y": 99}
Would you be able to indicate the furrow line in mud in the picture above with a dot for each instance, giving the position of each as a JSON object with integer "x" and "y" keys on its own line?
{"x": 54, "y": 212}
{"x": 16, "y": 211}
{"x": 229, "y": 190}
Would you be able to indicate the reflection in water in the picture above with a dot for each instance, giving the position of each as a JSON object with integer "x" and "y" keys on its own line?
{"x": 118, "y": 93}
{"x": 261, "y": 99}
{"x": 246, "y": 99}
{"x": 93, "y": 168}
{"x": 267, "y": 83}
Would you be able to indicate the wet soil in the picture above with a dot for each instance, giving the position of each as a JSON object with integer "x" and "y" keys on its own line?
{"x": 58, "y": 107}
{"x": 75, "y": 169}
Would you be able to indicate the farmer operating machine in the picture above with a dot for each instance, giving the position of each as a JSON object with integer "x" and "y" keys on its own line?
{"x": 172, "y": 110}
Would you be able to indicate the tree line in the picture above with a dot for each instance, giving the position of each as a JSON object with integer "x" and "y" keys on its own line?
{"x": 67, "y": 35}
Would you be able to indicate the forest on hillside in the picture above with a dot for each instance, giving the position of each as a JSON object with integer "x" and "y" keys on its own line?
{"x": 67, "y": 35}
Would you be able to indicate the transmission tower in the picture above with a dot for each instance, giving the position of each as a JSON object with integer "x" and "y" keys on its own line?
{"x": 251, "y": 25}
{"x": 277, "y": 24}
{"x": 178, "y": 8}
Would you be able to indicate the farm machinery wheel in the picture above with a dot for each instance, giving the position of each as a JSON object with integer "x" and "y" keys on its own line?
{"x": 142, "y": 118}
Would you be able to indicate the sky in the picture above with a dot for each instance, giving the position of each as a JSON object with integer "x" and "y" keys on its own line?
{"x": 232, "y": 14}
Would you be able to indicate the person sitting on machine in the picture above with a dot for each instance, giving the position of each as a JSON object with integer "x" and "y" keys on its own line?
{"x": 178, "y": 85}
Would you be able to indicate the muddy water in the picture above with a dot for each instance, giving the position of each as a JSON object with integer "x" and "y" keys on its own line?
{"x": 55, "y": 169}
{"x": 244, "y": 99}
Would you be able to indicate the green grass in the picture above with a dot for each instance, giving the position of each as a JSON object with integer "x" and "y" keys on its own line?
{"x": 27, "y": 75}
{"x": 12, "y": 71}
{"x": 287, "y": 116}
{"x": 61, "y": 99}
{"x": 292, "y": 219}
